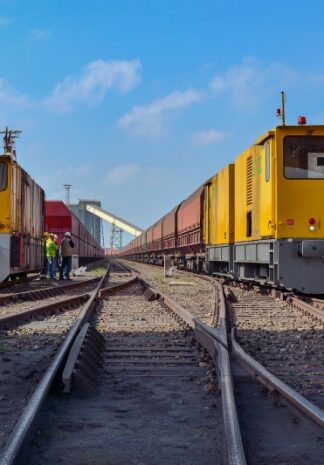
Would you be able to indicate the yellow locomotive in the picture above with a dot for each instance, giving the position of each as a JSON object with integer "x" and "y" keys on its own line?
{"x": 21, "y": 215}
{"x": 259, "y": 219}
{"x": 272, "y": 198}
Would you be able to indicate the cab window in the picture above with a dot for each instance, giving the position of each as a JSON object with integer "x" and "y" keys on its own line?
{"x": 3, "y": 176}
{"x": 304, "y": 157}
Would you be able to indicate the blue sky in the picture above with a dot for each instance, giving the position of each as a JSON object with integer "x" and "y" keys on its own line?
{"x": 136, "y": 103}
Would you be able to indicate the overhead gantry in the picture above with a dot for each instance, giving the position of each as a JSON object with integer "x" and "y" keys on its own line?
{"x": 118, "y": 225}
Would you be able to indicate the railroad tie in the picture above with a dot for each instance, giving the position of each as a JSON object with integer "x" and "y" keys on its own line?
{"x": 149, "y": 294}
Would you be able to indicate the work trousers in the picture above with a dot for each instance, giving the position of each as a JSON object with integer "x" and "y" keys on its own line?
{"x": 65, "y": 267}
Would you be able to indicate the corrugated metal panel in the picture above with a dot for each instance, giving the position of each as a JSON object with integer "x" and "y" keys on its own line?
{"x": 169, "y": 223}
{"x": 157, "y": 230}
{"x": 149, "y": 235}
{"x": 59, "y": 219}
{"x": 190, "y": 212}
{"x": 56, "y": 208}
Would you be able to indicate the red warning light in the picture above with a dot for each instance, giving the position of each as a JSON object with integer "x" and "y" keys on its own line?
{"x": 301, "y": 120}
{"x": 311, "y": 221}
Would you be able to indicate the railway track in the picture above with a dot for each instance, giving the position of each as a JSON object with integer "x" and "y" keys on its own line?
{"x": 193, "y": 292}
{"x": 262, "y": 418}
{"x": 30, "y": 300}
{"x": 159, "y": 397}
{"x": 287, "y": 341}
{"x": 150, "y": 395}
{"x": 29, "y": 338}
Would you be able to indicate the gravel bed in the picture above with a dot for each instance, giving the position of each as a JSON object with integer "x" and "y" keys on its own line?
{"x": 154, "y": 405}
{"x": 118, "y": 278}
{"x": 41, "y": 284}
{"x": 25, "y": 353}
{"x": 289, "y": 342}
{"x": 195, "y": 294}
{"x": 17, "y": 307}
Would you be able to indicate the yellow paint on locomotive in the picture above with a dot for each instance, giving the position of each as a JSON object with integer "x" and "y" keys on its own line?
{"x": 276, "y": 195}
{"x": 300, "y": 186}
{"x": 254, "y": 187}
{"x": 5, "y": 195}
{"x": 218, "y": 223}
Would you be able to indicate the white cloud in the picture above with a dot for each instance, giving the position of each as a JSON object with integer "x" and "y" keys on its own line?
{"x": 9, "y": 97}
{"x": 250, "y": 82}
{"x": 150, "y": 120}
{"x": 208, "y": 136}
{"x": 121, "y": 174}
{"x": 39, "y": 34}
{"x": 93, "y": 84}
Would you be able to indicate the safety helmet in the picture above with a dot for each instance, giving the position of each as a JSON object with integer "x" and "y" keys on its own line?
{"x": 67, "y": 234}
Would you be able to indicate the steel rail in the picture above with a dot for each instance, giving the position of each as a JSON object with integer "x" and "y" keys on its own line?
{"x": 214, "y": 340}
{"x": 117, "y": 287}
{"x": 272, "y": 383}
{"x": 26, "y": 315}
{"x": 302, "y": 305}
{"x": 44, "y": 292}
{"x": 26, "y": 421}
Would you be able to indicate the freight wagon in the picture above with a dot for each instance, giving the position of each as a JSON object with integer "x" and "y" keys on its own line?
{"x": 21, "y": 216}
{"x": 260, "y": 219}
{"x": 59, "y": 220}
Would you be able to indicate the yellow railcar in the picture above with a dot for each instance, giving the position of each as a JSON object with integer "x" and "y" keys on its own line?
{"x": 21, "y": 219}
{"x": 263, "y": 216}
{"x": 218, "y": 225}
{"x": 279, "y": 209}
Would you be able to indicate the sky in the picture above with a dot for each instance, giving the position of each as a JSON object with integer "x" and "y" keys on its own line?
{"x": 137, "y": 102}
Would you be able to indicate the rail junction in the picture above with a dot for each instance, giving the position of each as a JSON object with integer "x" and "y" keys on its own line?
{"x": 133, "y": 363}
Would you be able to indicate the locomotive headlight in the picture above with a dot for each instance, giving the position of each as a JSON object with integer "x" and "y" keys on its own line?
{"x": 312, "y": 228}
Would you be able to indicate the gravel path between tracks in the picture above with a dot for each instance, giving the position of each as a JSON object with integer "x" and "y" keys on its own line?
{"x": 272, "y": 433}
{"x": 40, "y": 284}
{"x": 153, "y": 405}
{"x": 287, "y": 341}
{"x": 25, "y": 353}
{"x": 17, "y": 307}
{"x": 192, "y": 292}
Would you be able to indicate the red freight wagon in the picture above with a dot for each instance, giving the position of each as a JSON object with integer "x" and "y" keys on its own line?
{"x": 149, "y": 239}
{"x": 143, "y": 241}
{"x": 59, "y": 220}
{"x": 190, "y": 226}
{"x": 138, "y": 244}
{"x": 157, "y": 235}
{"x": 169, "y": 229}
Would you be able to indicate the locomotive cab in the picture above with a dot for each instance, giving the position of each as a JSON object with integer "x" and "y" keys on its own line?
{"x": 279, "y": 210}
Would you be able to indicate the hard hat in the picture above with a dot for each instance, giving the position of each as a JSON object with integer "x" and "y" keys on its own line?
{"x": 67, "y": 234}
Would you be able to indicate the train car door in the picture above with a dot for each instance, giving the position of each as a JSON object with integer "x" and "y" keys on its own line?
{"x": 267, "y": 183}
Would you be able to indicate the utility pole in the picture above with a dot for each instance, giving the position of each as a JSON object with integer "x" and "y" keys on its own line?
{"x": 116, "y": 237}
{"x": 67, "y": 188}
{"x": 9, "y": 137}
{"x": 281, "y": 112}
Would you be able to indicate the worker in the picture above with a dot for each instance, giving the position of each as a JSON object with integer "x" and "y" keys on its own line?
{"x": 67, "y": 246}
{"x": 57, "y": 255}
{"x": 51, "y": 249}
{"x": 43, "y": 273}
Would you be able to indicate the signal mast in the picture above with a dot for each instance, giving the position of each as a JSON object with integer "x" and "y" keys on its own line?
{"x": 9, "y": 137}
